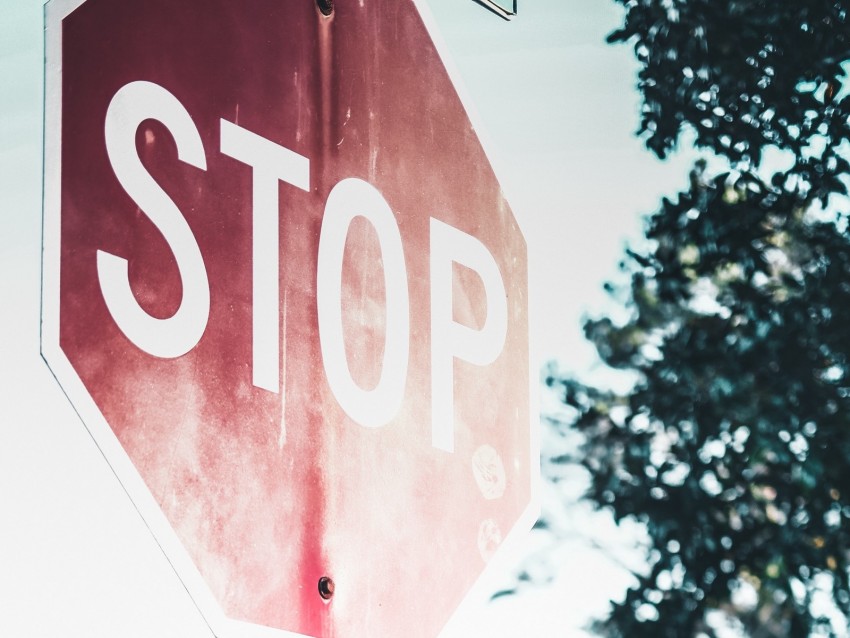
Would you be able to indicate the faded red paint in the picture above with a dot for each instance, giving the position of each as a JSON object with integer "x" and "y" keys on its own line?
{"x": 269, "y": 492}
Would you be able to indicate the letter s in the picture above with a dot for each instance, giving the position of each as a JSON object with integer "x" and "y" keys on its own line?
{"x": 178, "y": 334}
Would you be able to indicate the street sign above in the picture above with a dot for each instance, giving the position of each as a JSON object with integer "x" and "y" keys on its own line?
{"x": 285, "y": 293}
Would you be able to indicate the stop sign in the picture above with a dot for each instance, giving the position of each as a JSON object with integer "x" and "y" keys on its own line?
{"x": 286, "y": 295}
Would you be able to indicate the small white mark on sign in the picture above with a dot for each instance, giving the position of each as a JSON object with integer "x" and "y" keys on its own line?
{"x": 489, "y": 538}
{"x": 489, "y": 472}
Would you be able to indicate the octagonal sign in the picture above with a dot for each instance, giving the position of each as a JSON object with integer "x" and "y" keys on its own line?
{"x": 287, "y": 297}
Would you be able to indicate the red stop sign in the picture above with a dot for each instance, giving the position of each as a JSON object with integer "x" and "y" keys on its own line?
{"x": 285, "y": 293}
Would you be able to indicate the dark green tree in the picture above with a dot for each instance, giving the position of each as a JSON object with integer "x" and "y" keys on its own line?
{"x": 733, "y": 446}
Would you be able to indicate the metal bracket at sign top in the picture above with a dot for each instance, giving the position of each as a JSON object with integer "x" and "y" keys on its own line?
{"x": 498, "y": 9}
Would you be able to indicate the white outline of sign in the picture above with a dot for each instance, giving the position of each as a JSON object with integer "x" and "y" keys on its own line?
{"x": 114, "y": 454}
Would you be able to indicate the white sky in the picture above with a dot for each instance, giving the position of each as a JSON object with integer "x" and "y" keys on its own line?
{"x": 558, "y": 104}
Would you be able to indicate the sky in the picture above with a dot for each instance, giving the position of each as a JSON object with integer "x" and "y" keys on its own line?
{"x": 559, "y": 108}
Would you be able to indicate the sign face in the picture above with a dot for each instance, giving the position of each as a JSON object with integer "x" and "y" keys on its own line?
{"x": 285, "y": 293}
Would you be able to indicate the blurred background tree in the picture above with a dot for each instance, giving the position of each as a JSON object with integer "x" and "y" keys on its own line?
{"x": 733, "y": 444}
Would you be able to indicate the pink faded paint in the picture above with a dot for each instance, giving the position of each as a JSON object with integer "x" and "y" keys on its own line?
{"x": 269, "y": 492}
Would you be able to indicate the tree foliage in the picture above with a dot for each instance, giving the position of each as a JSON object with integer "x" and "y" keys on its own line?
{"x": 733, "y": 446}
{"x": 745, "y": 74}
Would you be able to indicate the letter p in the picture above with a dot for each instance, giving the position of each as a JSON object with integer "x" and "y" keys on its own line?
{"x": 451, "y": 340}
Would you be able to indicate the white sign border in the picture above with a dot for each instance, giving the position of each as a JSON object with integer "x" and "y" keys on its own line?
{"x": 114, "y": 454}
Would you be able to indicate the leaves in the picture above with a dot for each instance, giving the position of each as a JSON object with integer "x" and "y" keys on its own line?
{"x": 732, "y": 447}
{"x": 742, "y": 74}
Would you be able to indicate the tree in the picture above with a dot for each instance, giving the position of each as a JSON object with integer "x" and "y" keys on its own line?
{"x": 733, "y": 446}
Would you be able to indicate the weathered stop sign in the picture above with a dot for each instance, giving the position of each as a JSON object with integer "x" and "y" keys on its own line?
{"x": 286, "y": 295}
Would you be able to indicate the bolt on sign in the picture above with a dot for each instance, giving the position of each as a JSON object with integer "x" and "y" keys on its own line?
{"x": 287, "y": 297}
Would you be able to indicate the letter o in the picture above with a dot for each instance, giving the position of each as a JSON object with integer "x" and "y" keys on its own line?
{"x": 351, "y": 198}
